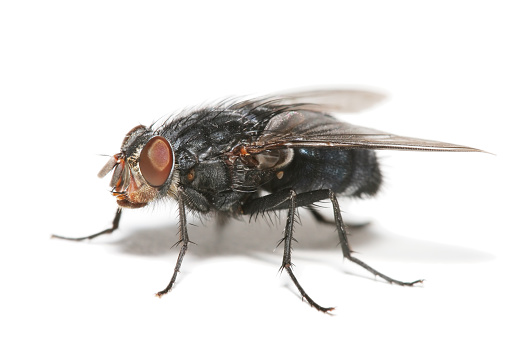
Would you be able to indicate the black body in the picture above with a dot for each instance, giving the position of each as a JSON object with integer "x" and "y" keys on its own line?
{"x": 222, "y": 182}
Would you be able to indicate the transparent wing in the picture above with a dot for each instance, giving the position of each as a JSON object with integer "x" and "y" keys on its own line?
{"x": 297, "y": 129}
{"x": 333, "y": 100}
{"x": 319, "y": 100}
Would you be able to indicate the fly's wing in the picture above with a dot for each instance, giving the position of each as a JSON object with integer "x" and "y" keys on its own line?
{"x": 319, "y": 101}
{"x": 298, "y": 129}
{"x": 332, "y": 100}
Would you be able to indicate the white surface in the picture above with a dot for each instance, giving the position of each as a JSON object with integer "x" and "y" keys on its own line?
{"x": 76, "y": 77}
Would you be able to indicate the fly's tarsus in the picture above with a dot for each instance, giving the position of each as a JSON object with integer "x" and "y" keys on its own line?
{"x": 113, "y": 227}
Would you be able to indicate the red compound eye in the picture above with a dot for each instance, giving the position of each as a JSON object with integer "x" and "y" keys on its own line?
{"x": 156, "y": 161}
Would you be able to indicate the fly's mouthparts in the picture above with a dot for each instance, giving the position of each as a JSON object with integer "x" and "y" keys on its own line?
{"x": 119, "y": 195}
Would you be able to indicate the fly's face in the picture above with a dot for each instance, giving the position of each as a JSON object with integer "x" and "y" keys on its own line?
{"x": 144, "y": 165}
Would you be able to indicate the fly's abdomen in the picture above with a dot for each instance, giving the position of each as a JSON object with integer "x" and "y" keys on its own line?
{"x": 353, "y": 172}
{"x": 366, "y": 176}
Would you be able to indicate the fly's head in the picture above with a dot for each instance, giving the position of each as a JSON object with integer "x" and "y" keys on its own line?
{"x": 142, "y": 170}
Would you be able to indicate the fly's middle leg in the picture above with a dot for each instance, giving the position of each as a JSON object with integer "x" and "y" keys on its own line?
{"x": 287, "y": 254}
{"x": 288, "y": 199}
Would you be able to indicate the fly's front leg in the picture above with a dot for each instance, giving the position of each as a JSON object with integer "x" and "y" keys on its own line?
{"x": 183, "y": 241}
{"x": 347, "y": 252}
{"x": 113, "y": 227}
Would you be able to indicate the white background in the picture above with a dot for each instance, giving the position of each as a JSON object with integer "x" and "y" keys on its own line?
{"x": 76, "y": 76}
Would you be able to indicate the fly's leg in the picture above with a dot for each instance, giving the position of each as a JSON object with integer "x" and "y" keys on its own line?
{"x": 183, "y": 242}
{"x": 288, "y": 200}
{"x": 287, "y": 254}
{"x": 320, "y": 218}
{"x": 113, "y": 227}
{"x": 347, "y": 252}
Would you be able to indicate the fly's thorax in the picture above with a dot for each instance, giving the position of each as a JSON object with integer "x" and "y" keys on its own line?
{"x": 143, "y": 170}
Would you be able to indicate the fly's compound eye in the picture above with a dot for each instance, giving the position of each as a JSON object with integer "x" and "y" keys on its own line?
{"x": 156, "y": 161}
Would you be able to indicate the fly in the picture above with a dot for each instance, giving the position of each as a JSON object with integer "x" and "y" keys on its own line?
{"x": 221, "y": 159}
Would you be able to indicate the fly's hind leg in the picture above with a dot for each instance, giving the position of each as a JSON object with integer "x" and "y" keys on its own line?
{"x": 321, "y": 219}
{"x": 347, "y": 252}
{"x": 114, "y": 226}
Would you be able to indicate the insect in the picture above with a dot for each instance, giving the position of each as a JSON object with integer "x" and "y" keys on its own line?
{"x": 250, "y": 156}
